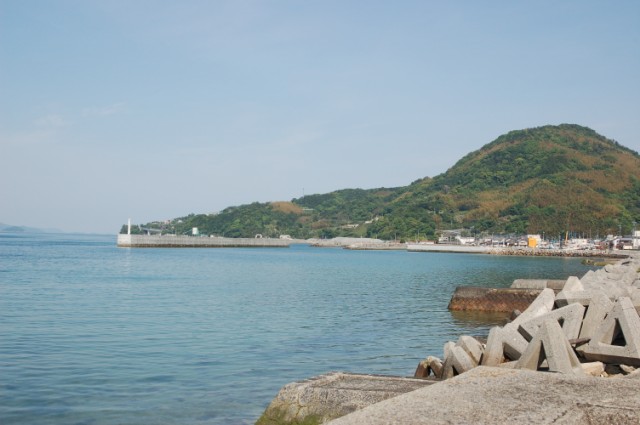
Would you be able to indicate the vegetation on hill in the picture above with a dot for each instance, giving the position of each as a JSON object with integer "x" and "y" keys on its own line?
{"x": 551, "y": 179}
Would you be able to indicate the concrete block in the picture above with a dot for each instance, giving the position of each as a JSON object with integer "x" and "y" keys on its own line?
{"x": 461, "y": 362}
{"x": 508, "y": 365}
{"x": 447, "y": 368}
{"x": 598, "y": 308}
{"x": 593, "y": 368}
{"x": 568, "y": 317}
{"x": 513, "y": 342}
{"x": 448, "y": 348}
{"x": 551, "y": 345}
{"x": 503, "y": 396}
{"x": 573, "y": 284}
{"x": 422, "y": 371}
{"x": 428, "y": 366}
{"x": 541, "y": 305}
{"x": 588, "y": 278}
{"x": 503, "y": 343}
{"x": 470, "y": 298}
{"x": 514, "y": 314}
{"x": 617, "y": 339}
{"x": 456, "y": 363}
{"x": 529, "y": 284}
{"x": 436, "y": 367}
{"x": 472, "y": 347}
{"x": 326, "y": 397}
{"x": 634, "y": 375}
{"x": 494, "y": 351}
{"x": 626, "y": 369}
{"x": 565, "y": 298}
{"x": 613, "y": 269}
{"x": 555, "y": 284}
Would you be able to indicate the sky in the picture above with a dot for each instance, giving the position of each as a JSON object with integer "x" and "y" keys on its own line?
{"x": 152, "y": 109}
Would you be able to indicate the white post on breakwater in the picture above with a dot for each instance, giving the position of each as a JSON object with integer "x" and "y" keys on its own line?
{"x": 129, "y": 227}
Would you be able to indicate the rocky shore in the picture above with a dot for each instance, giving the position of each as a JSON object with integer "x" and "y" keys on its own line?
{"x": 572, "y": 356}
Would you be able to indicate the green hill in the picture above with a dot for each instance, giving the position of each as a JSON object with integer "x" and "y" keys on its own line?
{"x": 550, "y": 179}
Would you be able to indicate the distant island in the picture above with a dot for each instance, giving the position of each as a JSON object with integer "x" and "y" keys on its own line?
{"x": 10, "y": 228}
{"x": 556, "y": 181}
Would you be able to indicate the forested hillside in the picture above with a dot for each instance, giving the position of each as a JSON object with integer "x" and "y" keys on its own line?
{"x": 550, "y": 179}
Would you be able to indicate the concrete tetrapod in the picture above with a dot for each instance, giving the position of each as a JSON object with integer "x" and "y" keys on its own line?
{"x": 598, "y": 308}
{"x": 457, "y": 362}
{"x": 552, "y": 345}
{"x": 427, "y": 366}
{"x": 460, "y": 357}
{"x": 565, "y": 298}
{"x": 617, "y": 339}
{"x": 472, "y": 347}
{"x": 569, "y": 318}
{"x": 541, "y": 305}
{"x": 507, "y": 342}
{"x": 503, "y": 343}
{"x": 573, "y": 284}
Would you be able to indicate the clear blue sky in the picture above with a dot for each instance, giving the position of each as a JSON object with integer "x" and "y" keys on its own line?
{"x": 156, "y": 109}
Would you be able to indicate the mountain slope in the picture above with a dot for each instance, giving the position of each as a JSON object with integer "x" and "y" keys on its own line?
{"x": 550, "y": 179}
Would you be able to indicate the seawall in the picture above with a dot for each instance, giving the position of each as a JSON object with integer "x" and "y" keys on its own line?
{"x": 178, "y": 241}
{"x": 519, "y": 251}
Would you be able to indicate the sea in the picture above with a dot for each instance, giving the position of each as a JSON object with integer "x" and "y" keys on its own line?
{"x": 95, "y": 334}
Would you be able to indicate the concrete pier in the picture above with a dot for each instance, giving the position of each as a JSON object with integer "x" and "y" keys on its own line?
{"x": 179, "y": 241}
{"x": 473, "y": 298}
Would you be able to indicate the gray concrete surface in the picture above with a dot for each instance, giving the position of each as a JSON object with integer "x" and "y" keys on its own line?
{"x": 570, "y": 316}
{"x": 329, "y": 396}
{"x": 555, "y": 284}
{"x": 597, "y": 310}
{"x": 487, "y": 395}
{"x": 606, "y": 344}
{"x": 550, "y": 344}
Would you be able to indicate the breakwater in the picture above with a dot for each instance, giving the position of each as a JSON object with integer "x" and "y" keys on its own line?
{"x": 180, "y": 241}
{"x": 618, "y": 254}
{"x": 518, "y": 251}
{"x": 506, "y": 300}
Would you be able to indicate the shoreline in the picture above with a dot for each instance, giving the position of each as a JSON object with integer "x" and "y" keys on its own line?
{"x": 518, "y": 251}
{"x": 552, "y": 349}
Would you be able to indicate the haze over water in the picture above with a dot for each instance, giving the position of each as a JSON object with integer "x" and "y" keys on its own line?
{"x": 94, "y": 334}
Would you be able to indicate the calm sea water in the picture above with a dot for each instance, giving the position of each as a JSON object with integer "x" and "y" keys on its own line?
{"x": 95, "y": 334}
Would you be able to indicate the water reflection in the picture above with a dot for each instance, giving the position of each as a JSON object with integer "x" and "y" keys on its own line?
{"x": 480, "y": 319}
